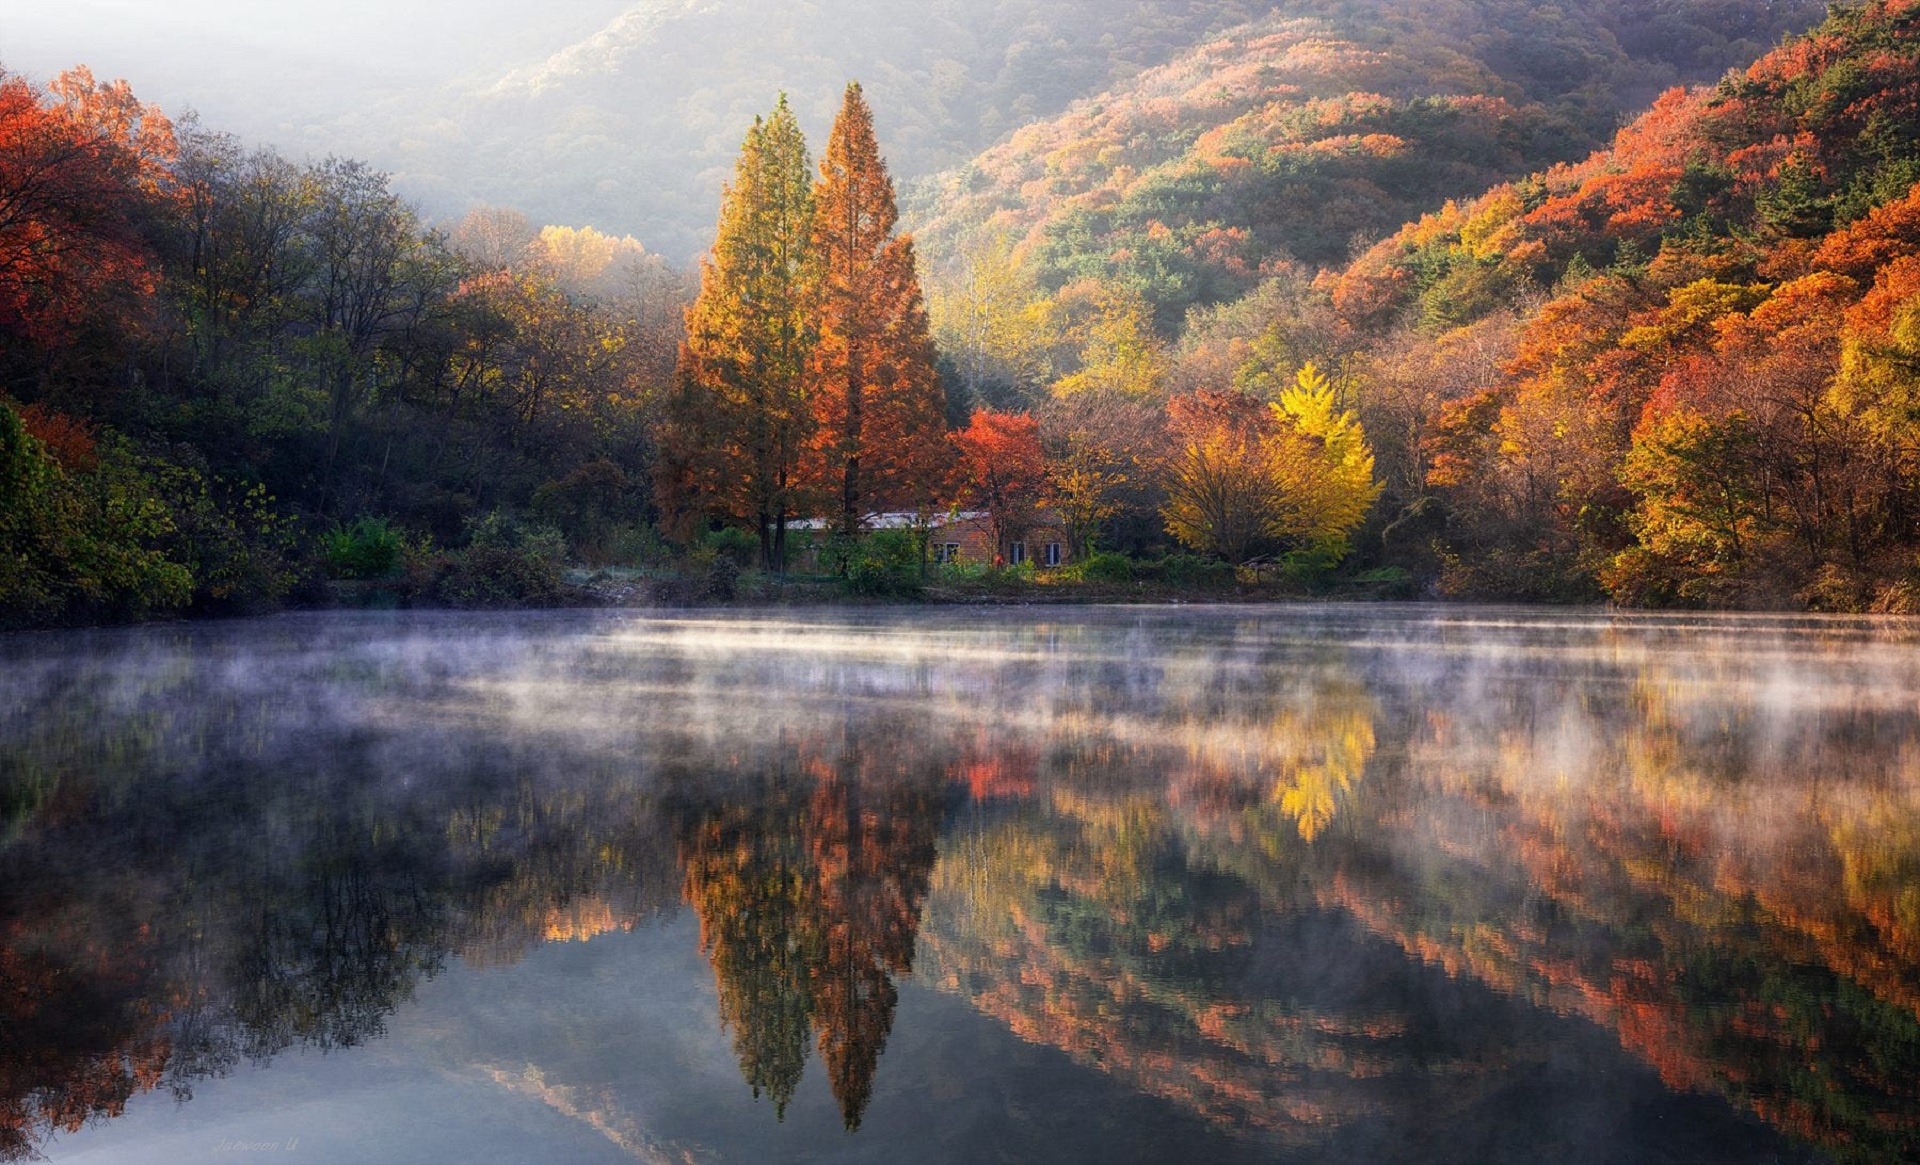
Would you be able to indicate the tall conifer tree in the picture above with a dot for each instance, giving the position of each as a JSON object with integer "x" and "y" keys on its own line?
{"x": 881, "y": 425}
{"x": 742, "y": 419}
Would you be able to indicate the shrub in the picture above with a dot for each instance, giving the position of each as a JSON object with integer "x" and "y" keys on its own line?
{"x": 586, "y": 504}
{"x": 1106, "y": 567}
{"x": 82, "y": 546}
{"x": 1311, "y": 568}
{"x": 241, "y": 549}
{"x": 886, "y": 562}
{"x": 733, "y": 543}
{"x": 961, "y": 572}
{"x": 1394, "y": 582}
{"x": 1190, "y": 571}
{"x": 638, "y": 545}
{"x": 723, "y": 579}
{"x": 371, "y": 548}
{"x": 1018, "y": 574}
{"x": 837, "y": 553}
{"x": 505, "y": 564}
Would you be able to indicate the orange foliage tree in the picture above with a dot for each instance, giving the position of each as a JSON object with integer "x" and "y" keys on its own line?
{"x": 876, "y": 401}
{"x": 809, "y": 895}
{"x": 1221, "y": 493}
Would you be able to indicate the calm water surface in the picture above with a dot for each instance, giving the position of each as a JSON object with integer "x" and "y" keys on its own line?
{"x": 1317, "y": 884}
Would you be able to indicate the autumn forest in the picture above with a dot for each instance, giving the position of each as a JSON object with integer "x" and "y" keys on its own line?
{"x": 1426, "y": 300}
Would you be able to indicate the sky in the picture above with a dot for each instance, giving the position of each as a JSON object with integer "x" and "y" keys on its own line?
{"x": 265, "y": 68}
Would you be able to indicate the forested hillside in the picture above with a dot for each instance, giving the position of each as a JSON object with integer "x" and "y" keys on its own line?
{"x": 1321, "y": 125}
{"x": 226, "y": 368}
{"x": 1683, "y": 370}
{"x": 624, "y": 114}
{"x": 1674, "y": 372}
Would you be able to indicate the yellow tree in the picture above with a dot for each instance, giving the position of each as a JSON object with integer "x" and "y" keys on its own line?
{"x": 539, "y": 353}
{"x": 994, "y": 322}
{"x": 1220, "y": 498}
{"x": 585, "y": 261}
{"x": 1297, "y": 474}
{"x": 742, "y": 419}
{"x": 1323, "y": 466}
{"x": 1119, "y": 351}
{"x": 1084, "y": 486}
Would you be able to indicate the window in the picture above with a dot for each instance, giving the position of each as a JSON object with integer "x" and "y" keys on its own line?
{"x": 947, "y": 552}
{"x": 1019, "y": 554}
{"x": 1052, "y": 557}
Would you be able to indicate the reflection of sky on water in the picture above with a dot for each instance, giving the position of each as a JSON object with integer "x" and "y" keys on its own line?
{"x": 1423, "y": 883}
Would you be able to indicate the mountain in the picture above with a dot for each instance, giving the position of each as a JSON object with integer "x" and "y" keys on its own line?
{"x": 636, "y": 126}
{"x": 1675, "y": 370}
{"x": 1319, "y": 125}
{"x": 626, "y": 114}
{"x": 621, "y": 114}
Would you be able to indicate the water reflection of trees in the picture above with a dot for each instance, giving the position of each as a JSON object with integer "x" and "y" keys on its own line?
{"x": 194, "y": 875}
{"x": 1715, "y": 857}
{"x": 1717, "y": 866}
{"x": 1094, "y": 922}
{"x": 809, "y": 892}
{"x": 1710, "y": 849}
{"x": 192, "y": 878}
{"x": 155, "y": 989}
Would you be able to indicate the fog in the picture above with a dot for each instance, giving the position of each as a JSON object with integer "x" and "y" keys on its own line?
{"x": 363, "y": 79}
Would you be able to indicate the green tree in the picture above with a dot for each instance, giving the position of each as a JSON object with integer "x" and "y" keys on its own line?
{"x": 1701, "y": 513}
{"x": 85, "y": 544}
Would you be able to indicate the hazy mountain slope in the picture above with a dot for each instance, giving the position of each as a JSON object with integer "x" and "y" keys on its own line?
{"x": 299, "y": 74}
{"x": 623, "y": 114}
{"x": 635, "y": 127}
{"x": 1298, "y": 133}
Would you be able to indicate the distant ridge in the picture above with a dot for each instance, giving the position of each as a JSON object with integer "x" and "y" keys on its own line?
{"x": 605, "y": 52}
{"x": 1295, "y": 135}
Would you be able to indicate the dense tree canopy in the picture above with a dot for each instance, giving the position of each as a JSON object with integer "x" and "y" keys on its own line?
{"x": 1679, "y": 371}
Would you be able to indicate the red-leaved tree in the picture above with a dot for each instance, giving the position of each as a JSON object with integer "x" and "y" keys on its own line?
{"x": 1002, "y": 470}
{"x": 79, "y": 168}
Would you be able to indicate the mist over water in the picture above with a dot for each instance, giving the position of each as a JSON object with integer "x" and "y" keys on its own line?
{"x": 1324, "y": 883}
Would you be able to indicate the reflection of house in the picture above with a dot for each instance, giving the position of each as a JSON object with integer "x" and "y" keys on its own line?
{"x": 967, "y": 536}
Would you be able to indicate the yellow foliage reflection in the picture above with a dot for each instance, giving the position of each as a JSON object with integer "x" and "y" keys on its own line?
{"x": 1334, "y": 747}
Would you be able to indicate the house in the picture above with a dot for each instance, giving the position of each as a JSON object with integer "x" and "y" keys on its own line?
{"x": 967, "y": 536}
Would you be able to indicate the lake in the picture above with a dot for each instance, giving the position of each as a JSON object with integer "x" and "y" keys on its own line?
{"x": 1316, "y": 883}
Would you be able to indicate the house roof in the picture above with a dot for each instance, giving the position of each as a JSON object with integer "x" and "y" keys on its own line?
{"x": 895, "y": 520}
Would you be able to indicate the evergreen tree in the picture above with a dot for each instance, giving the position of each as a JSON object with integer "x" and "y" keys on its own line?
{"x": 881, "y": 435}
{"x": 741, "y": 419}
